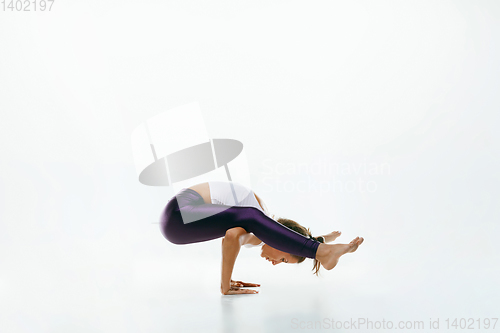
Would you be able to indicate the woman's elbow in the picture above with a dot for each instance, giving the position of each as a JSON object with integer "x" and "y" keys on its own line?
{"x": 235, "y": 233}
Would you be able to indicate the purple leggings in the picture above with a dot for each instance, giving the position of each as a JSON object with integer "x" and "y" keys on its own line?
{"x": 212, "y": 221}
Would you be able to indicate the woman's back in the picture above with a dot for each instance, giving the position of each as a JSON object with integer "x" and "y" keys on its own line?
{"x": 232, "y": 194}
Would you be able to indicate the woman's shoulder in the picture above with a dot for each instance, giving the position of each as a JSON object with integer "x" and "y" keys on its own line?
{"x": 252, "y": 241}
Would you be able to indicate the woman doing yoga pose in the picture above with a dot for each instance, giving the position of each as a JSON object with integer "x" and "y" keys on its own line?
{"x": 232, "y": 211}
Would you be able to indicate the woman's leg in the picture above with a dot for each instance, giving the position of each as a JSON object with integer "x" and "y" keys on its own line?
{"x": 212, "y": 221}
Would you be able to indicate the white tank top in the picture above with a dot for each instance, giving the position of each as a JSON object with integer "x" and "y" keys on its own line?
{"x": 232, "y": 194}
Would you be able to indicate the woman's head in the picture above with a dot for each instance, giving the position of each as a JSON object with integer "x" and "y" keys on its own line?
{"x": 277, "y": 256}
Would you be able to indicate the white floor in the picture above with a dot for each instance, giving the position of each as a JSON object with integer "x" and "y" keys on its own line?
{"x": 143, "y": 283}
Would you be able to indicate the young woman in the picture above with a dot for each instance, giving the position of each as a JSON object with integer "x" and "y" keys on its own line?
{"x": 230, "y": 210}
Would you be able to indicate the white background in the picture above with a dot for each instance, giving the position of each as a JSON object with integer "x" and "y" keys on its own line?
{"x": 412, "y": 85}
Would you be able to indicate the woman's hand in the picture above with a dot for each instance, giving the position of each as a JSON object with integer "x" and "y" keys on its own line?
{"x": 235, "y": 288}
{"x": 243, "y": 284}
{"x": 238, "y": 291}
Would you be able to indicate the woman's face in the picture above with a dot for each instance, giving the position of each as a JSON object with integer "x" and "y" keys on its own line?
{"x": 276, "y": 256}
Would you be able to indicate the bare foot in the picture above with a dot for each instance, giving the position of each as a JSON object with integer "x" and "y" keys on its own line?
{"x": 354, "y": 244}
{"x": 331, "y": 236}
{"x": 329, "y": 254}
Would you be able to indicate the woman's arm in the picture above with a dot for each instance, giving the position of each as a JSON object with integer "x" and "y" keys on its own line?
{"x": 231, "y": 244}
